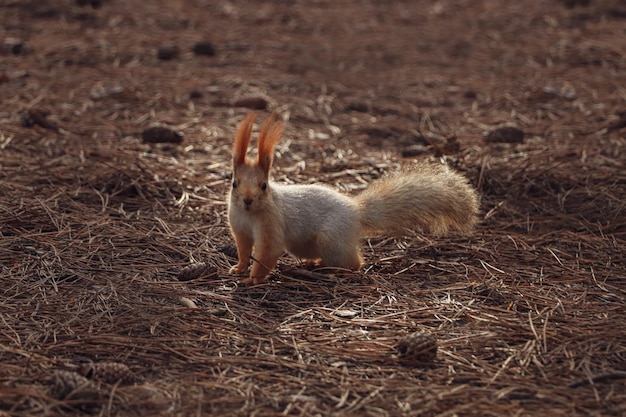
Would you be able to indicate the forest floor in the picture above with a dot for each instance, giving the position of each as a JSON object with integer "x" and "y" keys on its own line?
{"x": 114, "y": 250}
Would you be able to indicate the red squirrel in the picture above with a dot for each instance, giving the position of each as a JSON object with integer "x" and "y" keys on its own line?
{"x": 319, "y": 224}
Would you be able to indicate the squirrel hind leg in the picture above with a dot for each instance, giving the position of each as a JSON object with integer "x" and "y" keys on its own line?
{"x": 347, "y": 257}
{"x": 311, "y": 263}
{"x": 339, "y": 250}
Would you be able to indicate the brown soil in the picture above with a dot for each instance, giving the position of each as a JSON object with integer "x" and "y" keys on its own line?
{"x": 100, "y": 219}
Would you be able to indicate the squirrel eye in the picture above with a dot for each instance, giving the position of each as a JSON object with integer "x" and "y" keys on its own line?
{"x": 264, "y": 186}
{"x": 235, "y": 184}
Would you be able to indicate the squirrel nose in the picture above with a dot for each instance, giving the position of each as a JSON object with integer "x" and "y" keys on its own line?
{"x": 247, "y": 201}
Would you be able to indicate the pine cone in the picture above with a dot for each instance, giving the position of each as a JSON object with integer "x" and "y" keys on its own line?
{"x": 160, "y": 134}
{"x": 418, "y": 347}
{"x": 229, "y": 250}
{"x": 68, "y": 385}
{"x": 108, "y": 372}
{"x": 195, "y": 271}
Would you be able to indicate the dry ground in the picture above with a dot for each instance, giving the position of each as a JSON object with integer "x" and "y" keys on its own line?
{"x": 96, "y": 226}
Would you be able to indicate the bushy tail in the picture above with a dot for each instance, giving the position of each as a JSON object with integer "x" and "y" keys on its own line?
{"x": 431, "y": 198}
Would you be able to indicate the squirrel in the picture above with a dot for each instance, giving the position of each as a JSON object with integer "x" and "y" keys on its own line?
{"x": 318, "y": 224}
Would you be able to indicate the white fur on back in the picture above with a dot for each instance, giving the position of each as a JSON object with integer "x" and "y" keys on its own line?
{"x": 313, "y": 215}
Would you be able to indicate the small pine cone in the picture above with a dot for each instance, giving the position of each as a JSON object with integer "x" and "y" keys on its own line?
{"x": 160, "y": 134}
{"x": 108, "y": 372}
{"x": 254, "y": 103}
{"x": 418, "y": 347}
{"x": 195, "y": 271}
{"x": 229, "y": 250}
{"x": 70, "y": 385}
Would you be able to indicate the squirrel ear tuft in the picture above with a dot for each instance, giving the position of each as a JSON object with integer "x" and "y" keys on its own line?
{"x": 269, "y": 136}
{"x": 242, "y": 139}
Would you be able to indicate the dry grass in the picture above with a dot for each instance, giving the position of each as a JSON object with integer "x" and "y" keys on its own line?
{"x": 95, "y": 226}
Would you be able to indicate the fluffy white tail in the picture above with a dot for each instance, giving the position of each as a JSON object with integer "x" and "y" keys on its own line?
{"x": 431, "y": 198}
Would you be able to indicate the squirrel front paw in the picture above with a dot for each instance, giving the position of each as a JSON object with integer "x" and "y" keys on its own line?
{"x": 238, "y": 269}
{"x": 252, "y": 281}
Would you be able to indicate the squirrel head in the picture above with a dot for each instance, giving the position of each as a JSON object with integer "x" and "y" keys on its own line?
{"x": 251, "y": 186}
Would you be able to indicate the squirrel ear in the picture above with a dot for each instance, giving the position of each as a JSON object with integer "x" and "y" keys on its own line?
{"x": 240, "y": 147}
{"x": 269, "y": 136}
